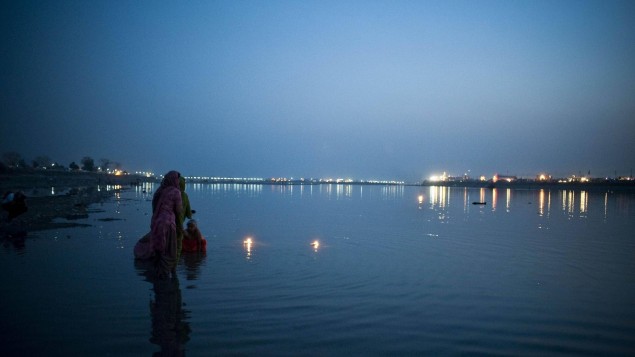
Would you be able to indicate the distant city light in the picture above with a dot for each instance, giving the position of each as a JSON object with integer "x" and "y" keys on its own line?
{"x": 437, "y": 178}
{"x": 443, "y": 178}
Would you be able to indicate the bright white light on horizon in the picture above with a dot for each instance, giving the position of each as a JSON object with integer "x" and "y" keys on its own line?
{"x": 437, "y": 178}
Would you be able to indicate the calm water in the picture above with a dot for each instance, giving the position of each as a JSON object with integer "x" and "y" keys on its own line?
{"x": 398, "y": 271}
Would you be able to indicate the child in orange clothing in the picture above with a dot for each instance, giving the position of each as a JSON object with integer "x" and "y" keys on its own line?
{"x": 193, "y": 240}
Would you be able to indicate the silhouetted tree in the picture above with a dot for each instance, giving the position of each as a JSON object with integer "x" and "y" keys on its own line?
{"x": 73, "y": 166}
{"x": 57, "y": 166}
{"x": 88, "y": 164}
{"x": 12, "y": 159}
{"x": 42, "y": 161}
{"x": 105, "y": 163}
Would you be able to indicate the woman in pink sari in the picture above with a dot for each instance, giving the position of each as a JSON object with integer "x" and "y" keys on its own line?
{"x": 166, "y": 208}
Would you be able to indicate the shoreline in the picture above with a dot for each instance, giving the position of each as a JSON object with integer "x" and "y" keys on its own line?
{"x": 73, "y": 193}
{"x": 67, "y": 195}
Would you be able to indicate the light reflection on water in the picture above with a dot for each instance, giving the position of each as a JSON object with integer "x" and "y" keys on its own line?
{"x": 574, "y": 203}
{"x": 337, "y": 270}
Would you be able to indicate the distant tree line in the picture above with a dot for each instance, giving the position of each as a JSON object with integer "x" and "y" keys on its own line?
{"x": 14, "y": 160}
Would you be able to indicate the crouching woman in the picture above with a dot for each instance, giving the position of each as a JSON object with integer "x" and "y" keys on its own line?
{"x": 193, "y": 240}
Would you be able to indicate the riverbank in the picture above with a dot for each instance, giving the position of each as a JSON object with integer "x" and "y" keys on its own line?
{"x": 56, "y": 198}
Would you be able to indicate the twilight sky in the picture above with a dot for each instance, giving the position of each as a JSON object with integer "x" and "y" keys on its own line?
{"x": 361, "y": 89}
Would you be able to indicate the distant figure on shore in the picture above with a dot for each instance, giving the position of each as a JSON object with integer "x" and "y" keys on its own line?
{"x": 161, "y": 243}
{"x": 193, "y": 240}
{"x": 14, "y": 203}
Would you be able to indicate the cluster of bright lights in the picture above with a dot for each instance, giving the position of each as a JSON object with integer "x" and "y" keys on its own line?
{"x": 145, "y": 173}
{"x": 439, "y": 178}
{"x": 385, "y": 182}
{"x": 214, "y": 178}
{"x": 337, "y": 180}
{"x": 498, "y": 177}
{"x": 116, "y": 172}
{"x": 287, "y": 180}
{"x": 574, "y": 178}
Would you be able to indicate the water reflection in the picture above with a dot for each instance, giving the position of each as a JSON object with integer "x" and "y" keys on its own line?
{"x": 249, "y": 190}
{"x": 569, "y": 199}
{"x": 439, "y": 197}
{"x": 145, "y": 188}
{"x": 544, "y": 199}
{"x": 340, "y": 191}
{"x": 337, "y": 191}
{"x": 584, "y": 201}
{"x": 13, "y": 238}
{"x": 393, "y": 191}
{"x": 192, "y": 262}
{"x": 573, "y": 203}
{"x": 248, "y": 243}
{"x": 170, "y": 329}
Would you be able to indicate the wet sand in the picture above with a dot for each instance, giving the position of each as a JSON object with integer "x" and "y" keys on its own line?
{"x": 55, "y": 195}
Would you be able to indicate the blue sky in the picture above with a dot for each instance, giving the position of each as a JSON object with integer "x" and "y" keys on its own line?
{"x": 362, "y": 89}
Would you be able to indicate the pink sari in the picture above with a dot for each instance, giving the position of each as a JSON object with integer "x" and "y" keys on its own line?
{"x": 161, "y": 242}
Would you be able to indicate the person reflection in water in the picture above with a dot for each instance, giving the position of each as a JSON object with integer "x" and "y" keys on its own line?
{"x": 170, "y": 330}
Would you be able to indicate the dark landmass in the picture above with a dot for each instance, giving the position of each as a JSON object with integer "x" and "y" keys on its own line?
{"x": 56, "y": 198}
{"x": 45, "y": 179}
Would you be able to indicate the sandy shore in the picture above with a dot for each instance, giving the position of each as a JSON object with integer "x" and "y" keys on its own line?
{"x": 53, "y": 195}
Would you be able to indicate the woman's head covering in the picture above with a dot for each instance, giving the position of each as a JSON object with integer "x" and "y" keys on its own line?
{"x": 171, "y": 179}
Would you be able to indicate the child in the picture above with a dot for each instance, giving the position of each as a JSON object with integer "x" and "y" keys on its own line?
{"x": 193, "y": 240}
